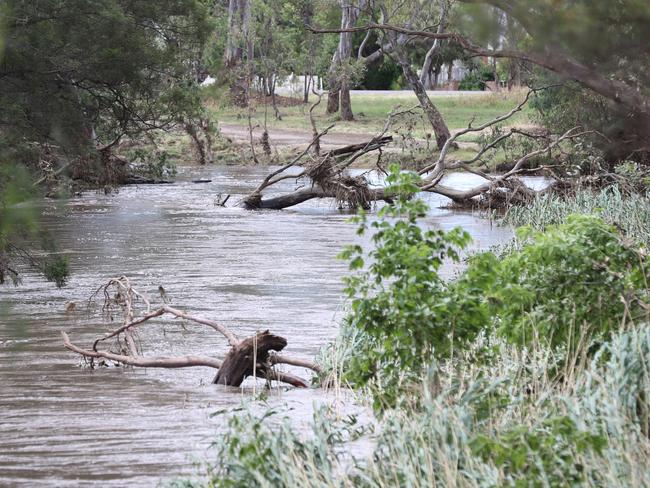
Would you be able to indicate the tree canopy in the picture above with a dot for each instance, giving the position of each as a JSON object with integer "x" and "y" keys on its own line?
{"x": 80, "y": 74}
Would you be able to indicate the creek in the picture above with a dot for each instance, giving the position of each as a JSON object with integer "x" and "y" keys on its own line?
{"x": 63, "y": 425}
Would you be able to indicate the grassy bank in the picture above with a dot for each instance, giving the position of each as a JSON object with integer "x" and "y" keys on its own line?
{"x": 631, "y": 213}
{"x": 371, "y": 111}
{"x": 506, "y": 424}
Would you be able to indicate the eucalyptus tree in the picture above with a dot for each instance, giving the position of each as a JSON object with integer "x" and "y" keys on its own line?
{"x": 408, "y": 14}
{"x": 82, "y": 74}
{"x": 238, "y": 50}
{"x": 340, "y": 76}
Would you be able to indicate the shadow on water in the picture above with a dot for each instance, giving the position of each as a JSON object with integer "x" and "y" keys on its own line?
{"x": 65, "y": 425}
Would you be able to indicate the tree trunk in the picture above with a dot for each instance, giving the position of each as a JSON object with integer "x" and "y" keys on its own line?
{"x": 346, "y": 103}
{"x": 425, "y": 76}
{"x": 248, "y": 357}
{"x": 236, "y": 44}
{"x": 435, "y": 118}
{"x": 306, "y": 87}
{"x": 256, "y": 202}
{"x": 339, "y": 85}
{"x": 333, "y": 85}
{"x": 497, "y": 82}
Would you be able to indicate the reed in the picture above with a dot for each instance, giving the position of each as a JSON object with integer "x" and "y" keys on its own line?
{"x": 630, "y": 213}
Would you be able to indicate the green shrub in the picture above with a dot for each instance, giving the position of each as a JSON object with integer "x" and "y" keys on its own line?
{"x": 566, "y": 286}
{"x": 476, "y": 79}
{"x": 404, "y": 310}
{"x": 566, "y": 289}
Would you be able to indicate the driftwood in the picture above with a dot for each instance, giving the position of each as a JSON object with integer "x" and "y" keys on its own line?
{"x": 252, "y": 356}
{"x": 326, "y": 176}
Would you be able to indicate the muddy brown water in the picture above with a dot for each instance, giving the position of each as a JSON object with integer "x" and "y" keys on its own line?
{"x": 63, "y": 425}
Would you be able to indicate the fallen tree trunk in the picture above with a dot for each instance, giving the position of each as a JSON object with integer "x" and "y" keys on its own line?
{"x": 252, "y": 356}
{"x": 247, "y": 357}
{"x": 257, "y": 202}
{"x": 326, "y": 175}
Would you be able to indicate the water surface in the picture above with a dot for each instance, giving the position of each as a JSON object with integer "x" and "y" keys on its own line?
{"x": 63, "y": 425}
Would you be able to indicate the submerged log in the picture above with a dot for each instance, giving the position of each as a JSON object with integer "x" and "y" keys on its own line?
{"x": 247, "y": 357}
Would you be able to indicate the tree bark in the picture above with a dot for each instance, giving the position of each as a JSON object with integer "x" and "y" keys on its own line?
{"x": 425, "y": 76}
{"x": 346, "y": 102}
{"x": 433, "y": 114}
{"x": 236, "y": 46}
{"x": 333, "y": 85}
{"x": 339, "y": 85}
{"x": 257, "y": 202}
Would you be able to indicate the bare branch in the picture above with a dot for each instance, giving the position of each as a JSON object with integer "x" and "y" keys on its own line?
{"x": 143, "y": 362}
{"x": 239, "y": 362}
{"x": 278, "y": 359}
{"x": 265, "y": 183}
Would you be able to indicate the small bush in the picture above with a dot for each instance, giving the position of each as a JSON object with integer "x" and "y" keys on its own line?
{"x": 566, "y": 286}
{"x": 404, "y": 310}
{"x": 476, "y": 79}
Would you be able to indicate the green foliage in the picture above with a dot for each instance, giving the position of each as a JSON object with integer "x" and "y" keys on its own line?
{"x": 599, "y": 44}
{"x": 560, "y": 108}
{"x": 80, "y": 73}
{"x": 403, "y": 308}
{"x": 19, "y": 230}
{"x": 566, "y": 286}
{"x": 56, "y": 269}
{"x": 154, "y": 164}
{"x": 565, "y": 289}
{"x": 477, "y": 77}
{"x": 549, "y": 451}
{"x": 385, "y": 76}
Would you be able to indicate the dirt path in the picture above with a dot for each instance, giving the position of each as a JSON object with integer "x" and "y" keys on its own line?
{"x": 282, "y": 138}
{"x": 286, "y": 138}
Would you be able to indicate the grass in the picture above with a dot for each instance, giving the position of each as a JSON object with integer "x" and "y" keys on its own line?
{"x": 477, "y": 425}
{"x": 631, "y": 213}
{"x": 371, "y": 112}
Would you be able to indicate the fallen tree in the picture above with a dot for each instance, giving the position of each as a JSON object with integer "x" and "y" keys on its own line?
{"x": 328, "y": 176}
{"x": 252, "y": 356}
